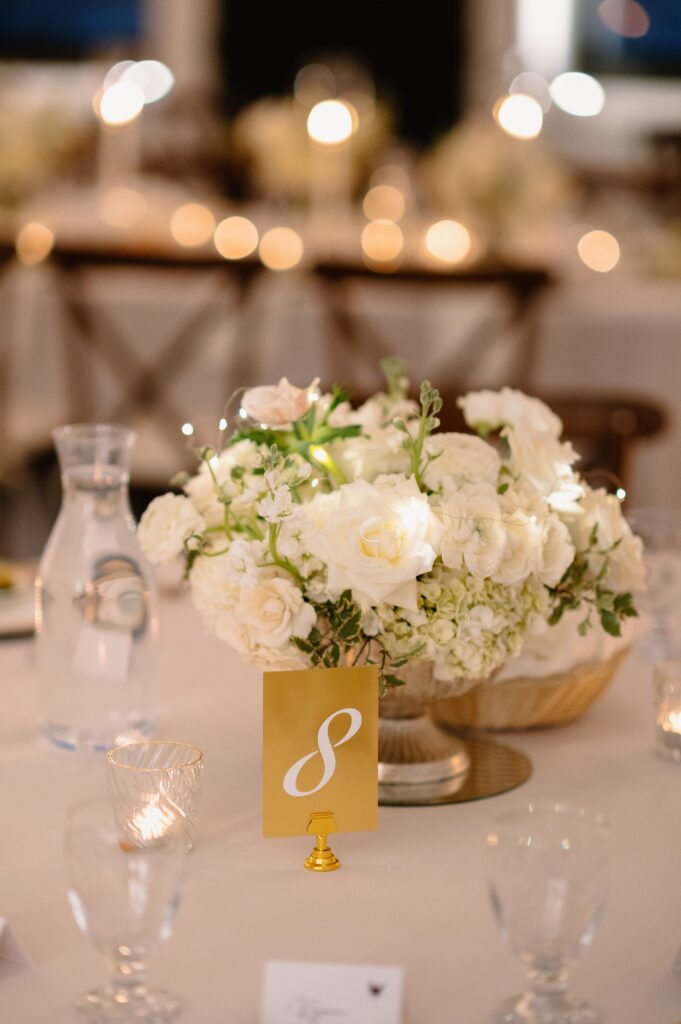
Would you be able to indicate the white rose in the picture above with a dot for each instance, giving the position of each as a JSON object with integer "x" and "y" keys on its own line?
{"x": 272, "y": 611}
{"x": 278, "y": 405}
{"x": 461, "y": 458}
{"x": 166, "y": 524}
{"x": 368, "y": 457}
{"x": 376, "y": 540}
{"x": 541, "y": 458}
{"x": 626, "y": 566}
{"x": 491, "y": 410}
{"x": 215, "y": 588}
{"x": 474, "y": 532}
{"x": 557, "y": 551}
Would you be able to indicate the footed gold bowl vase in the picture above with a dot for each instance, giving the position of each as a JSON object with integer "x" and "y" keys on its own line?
{"x": 419, "y": 762}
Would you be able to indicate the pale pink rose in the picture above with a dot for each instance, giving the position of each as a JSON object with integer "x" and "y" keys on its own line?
{"x": 277, "y": 405}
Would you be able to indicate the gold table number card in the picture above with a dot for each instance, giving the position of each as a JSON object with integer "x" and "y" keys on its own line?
{"x": 320, "y": 749}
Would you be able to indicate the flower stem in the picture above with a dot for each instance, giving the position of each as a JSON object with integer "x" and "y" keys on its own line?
{"x": 278, "y": 559}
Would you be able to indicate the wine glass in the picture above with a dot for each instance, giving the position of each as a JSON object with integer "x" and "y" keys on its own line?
{"x": 547, "y": 884}
{"x": 660, "y": 530}
{"x": 123, "y": 897}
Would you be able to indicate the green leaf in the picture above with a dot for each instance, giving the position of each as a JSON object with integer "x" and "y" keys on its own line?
{"x": 391, "y": 680}
{"x": 556, "y": 615}
{"x": 610, "y": 623}
{"x": 502, "y": 488}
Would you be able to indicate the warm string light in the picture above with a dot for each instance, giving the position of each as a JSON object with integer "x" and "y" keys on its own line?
{"x": 236, "y": 238}
{"x": 448, "y": 242}
{"x": 192, "y": 224}
{"x": 384, "y": 201}
{"x": 382, "y": 242}
{"x": 330, "y": 122}
{"x": 578, "y": 94}
{"x": 519, "y": 116}
{"x": 281, "y": 248}
{"x": 34, "y": 243}
{"x": 599, "y": 251}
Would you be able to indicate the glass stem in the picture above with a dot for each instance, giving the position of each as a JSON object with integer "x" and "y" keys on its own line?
{"x": 128, "y": 976}
{"x": 547, "y": 996}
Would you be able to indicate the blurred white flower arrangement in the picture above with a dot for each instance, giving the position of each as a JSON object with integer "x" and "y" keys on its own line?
{"x": 323, "y": 533}
{"x": 271, "y": 135}
{"x": 479, "y": 174}
{"x": 35, "y": 143}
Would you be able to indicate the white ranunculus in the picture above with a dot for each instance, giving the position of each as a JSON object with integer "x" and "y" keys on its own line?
{"x": 557, "y": 551}
{"x": 202, "y": 488}
{"x": 523, "y": 548}
{"x": 272, "y": 611}
{"x": 216, "y": 588}
{"x": 376, "y": 539}
{"x": 166, "y": 524}
{"x": 490, "y": 410}
{"x": 461, "y": 459}
{"x": 277, "y": 405}
{"x": 538, "y": 456}
{"x": 474, "y": 532}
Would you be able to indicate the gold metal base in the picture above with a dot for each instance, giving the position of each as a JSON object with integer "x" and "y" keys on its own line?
{"x": 494, "y": 768}
{"x": 322, "y": 859}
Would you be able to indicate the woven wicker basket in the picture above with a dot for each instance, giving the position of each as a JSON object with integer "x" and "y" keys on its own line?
{"x": 525, "y": 703}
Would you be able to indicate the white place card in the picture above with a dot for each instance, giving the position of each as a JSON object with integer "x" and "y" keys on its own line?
{"x": 320, "y": 993}
{"x": 11, "y": 953}
{"x": 103, "y": 653}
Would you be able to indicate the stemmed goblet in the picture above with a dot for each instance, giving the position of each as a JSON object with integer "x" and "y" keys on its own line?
{"x": 123, "y": 897}
{"x": 547, "y": 883}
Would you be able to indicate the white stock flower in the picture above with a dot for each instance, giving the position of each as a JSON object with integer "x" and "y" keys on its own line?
{"x": 461, "y": 459}
{"x": 277, "y": 405}
{"x": 271, "y": 611}
{"x": 202, "y": 488}
{"x": 491, "y": 410}
{"x": 276, "y": 505}
{"x": 376, "y": 539}
{"x": 166, "y": 524}
{"x": 474, "y": 532}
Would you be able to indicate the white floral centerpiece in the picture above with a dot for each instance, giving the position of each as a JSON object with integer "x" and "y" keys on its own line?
{"x": 325, "y": 535}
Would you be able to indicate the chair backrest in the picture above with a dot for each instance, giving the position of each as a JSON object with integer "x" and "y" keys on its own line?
{"x": 603, "y": 429}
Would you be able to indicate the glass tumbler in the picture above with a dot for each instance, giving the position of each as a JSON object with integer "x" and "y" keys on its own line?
{"x": 124, "y": 899}
{"x": 96, "y": 620}
{"x": 667, "y": 682}
{"x": 153, "y": 783}
{"x": 547, "y": 884}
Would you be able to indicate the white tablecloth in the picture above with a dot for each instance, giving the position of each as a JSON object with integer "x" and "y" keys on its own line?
{"x": 412, "y": 893}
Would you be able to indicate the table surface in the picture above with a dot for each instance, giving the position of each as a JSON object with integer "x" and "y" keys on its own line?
{"x": 411, "y": 893}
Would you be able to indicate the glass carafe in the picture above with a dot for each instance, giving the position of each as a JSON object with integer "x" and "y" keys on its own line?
{"x": 96, "y": 620}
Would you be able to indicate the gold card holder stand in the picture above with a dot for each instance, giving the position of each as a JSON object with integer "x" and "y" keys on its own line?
{"x": 321, "y": 825}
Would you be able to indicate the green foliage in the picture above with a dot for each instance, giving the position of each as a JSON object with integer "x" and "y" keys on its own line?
{"x": 431, "y": 404}
{"x": 581, "y": 586}
{"x": 396, "y": 373}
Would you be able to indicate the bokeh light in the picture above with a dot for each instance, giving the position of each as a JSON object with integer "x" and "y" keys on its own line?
{"x": 624, "y": 17}
{"x": 330, "y": 122}
{"x": 34, "y": 243}
{"x": 235, "y": 238}
{"x": 115, "y": 73}
{"x": 314, "y": 83}
{"x": 599, "y": 250}
{"x": 281, "y": 248}
{"x": 384, "y": 201}
{"x": 192, "y": 224}
{"x": 382, "y": 241}
{"x": 448, "y": 241}
{"x": 529, "y": 83}
{"x": 578, "y": 94}
{"x": 121, "y": 103}
{"x": 121, "y": 207}
{"x": 153, "y": 78}
{"x": 520, "y": 116}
